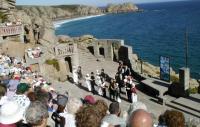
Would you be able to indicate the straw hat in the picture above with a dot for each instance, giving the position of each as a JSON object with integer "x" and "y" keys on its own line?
{"x": 10, "y": 113}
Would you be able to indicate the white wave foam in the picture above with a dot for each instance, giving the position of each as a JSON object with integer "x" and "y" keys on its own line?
{"x": 59, "y": 23}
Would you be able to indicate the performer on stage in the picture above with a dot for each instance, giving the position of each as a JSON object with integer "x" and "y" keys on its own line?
{"x": 88, "y": 82}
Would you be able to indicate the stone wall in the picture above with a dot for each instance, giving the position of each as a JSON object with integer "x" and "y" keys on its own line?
{"x": 106, "y": 48}
{"x": 15, "y": 49}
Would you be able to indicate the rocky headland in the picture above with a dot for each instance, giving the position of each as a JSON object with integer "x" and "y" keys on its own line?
{"x": 119, "y": 8}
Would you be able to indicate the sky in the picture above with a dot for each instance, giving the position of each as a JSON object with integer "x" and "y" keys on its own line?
{"x": 85, "y": 2}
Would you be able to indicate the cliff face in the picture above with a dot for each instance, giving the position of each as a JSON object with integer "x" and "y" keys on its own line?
{"x": 6, "y": 10}
{"x": 125, "y": 7}
{"x": 62, "y": 11}
{"x": 42, "y": 16}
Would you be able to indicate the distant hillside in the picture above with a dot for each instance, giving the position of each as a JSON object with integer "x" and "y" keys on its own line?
{"x": 61, "y": 11}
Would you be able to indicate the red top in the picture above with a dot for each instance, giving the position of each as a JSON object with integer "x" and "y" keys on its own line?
{"x": 7, "y": 125}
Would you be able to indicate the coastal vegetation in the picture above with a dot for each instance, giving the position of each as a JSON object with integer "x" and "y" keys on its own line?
{"x": 3, "y": 17}
{"x": 54, "y": 63}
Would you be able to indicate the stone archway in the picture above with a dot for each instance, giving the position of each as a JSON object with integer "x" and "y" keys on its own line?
{"x": 91, "y": 49}
{"x": 101, "y": 51}
{"x": 68, "y": 62}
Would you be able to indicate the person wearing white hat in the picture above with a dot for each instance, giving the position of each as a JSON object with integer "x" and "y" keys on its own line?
{"x": 134, "y": 93}
{"x": 11, "y": 113}
{"x": 88, "y": 82}
{"x": 30, "y": 53}
{"x": 99, "y": 83}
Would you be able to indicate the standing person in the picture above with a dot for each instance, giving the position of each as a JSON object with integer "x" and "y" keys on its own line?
{"x": 103, "y": 87}
{"x": 111, "y": 89}
{"x": 99, "y": 83}
{"x": 119, "y": 81}
{"x": 93, "y": 82}
{"x": 103, "y": 75}
{"x": 134, "y": 93}
{"x": 75, "y": 75}
{"x": 88, "y": 82}
{"x": 79, "y": 72}
{"x": 128, "y": 90}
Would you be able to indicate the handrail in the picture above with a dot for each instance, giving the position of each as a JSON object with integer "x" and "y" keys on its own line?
{"x": 10, "y": 30}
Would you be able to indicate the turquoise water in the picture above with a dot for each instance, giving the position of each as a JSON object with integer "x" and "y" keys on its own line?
{"x": 159, "y": 30}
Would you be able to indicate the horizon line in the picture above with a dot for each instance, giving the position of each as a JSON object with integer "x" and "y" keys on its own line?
{"x": 102, "y": 5}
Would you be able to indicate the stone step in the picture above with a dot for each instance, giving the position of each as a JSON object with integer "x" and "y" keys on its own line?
{"x": 183, "y": 109}
{"x": 187, "y": 103}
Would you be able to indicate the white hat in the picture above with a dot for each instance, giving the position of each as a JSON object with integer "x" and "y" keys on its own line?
{"x": 10, "y": 113}
{"x": 38, "y": 48}
{"x": 87, "y": 75}
{"x": 29, "y": 49}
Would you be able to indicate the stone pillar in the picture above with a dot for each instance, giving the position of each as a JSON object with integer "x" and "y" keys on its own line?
{"x": 63, "y": 70}
{"x": 75, "y": 57}
{"x": 1, "y": 39}
{"x": 108, "y": 50}
{"x": 22, "y": 34}
{"x": 96, "y": 49}
{"x": 184, "y": 78}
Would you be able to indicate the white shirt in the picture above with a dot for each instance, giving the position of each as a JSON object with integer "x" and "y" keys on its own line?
{"x": 69, "y": 119}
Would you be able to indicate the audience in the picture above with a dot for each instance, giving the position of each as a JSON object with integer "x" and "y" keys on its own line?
{"x": 73, "y": 105}
{"x": 88, "y": 117}
{"x": 101, "y": 107}
{"x": 140, "y": 118}
{"x": 172, "y": 118}
{"x": 113, "y": 118}
{"x": 11, "y": 113}
{"x": 37, "y": 114}
{"x": 27, "y": 100}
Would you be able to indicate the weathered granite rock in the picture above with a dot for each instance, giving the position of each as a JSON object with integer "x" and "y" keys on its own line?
{"x": 64, "y": 39}
{"x": 6, "y": 8}
{"x": 125, "y": 7}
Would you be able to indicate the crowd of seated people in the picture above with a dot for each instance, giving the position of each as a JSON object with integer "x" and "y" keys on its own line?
{"x": 28, "y": 100}
{"x": 34, "y": 53}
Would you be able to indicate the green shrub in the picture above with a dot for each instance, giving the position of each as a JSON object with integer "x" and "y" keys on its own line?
{"x": 193, "y": 90}
{"x": 53, "y": 62}
{"x": 3, "y": 17}
{"x": 174, "y": 79}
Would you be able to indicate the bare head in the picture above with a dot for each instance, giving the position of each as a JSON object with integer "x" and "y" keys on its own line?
{"x": 140, "y": 118}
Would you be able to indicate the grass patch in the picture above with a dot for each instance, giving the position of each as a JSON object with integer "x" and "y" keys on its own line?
{"x": 53, "y": 62}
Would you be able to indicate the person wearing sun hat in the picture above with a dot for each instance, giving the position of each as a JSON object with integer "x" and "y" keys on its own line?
{"x": 11, "y": 113}
{"x": 21, "y": 96}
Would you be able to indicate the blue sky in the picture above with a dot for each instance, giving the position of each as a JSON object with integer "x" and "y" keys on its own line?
{"x": 86, "y": 2}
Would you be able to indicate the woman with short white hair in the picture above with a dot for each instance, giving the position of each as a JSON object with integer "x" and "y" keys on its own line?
{"x": 73, "y": 105}
{"x": 37, "y": 114}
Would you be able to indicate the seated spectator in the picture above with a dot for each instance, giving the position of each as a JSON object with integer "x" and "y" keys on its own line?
{"x": 113, "y": 118}
{"x": 73, "y": 105}
{"x": 89, "y": 99}
{"x": 61, "y": 103}
{"x": 41, "y": 95}
{"x": 37, "y": 114}
{"x": 172, "y": 118}
{"x": 3, "y": 98}
{"x": 88, "y": 117}
{"x": 21, "y": 95}
{"x": 140, "y": 118}
{"x": 11, "y": 113}
{"x": 102, "y": 107}
{"x": 30, "y": 53}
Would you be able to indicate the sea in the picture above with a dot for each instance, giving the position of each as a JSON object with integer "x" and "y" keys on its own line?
{"x": 157, "y": 31}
